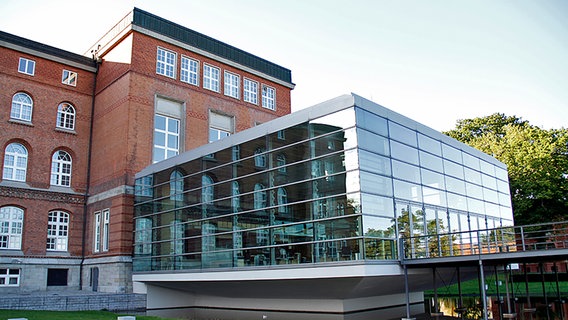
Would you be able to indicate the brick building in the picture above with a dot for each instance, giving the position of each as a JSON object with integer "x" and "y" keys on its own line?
{"x": 76, "y": 128}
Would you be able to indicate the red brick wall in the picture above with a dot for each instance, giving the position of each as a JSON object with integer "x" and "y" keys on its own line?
{"x": 42, "y": 139}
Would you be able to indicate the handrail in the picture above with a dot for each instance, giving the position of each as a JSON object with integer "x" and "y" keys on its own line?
{"x": 544, "y": 236}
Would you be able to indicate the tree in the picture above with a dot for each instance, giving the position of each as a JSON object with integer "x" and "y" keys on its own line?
{"x": 537, "y": 162}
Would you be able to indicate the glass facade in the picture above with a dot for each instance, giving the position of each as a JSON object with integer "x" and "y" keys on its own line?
{"x": 340, "y": 187}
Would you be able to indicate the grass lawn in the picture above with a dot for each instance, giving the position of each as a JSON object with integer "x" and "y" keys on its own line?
{"x": 68, "y": 315}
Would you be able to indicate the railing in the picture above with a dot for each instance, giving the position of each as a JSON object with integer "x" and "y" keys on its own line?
{"x": 546, "y": 236}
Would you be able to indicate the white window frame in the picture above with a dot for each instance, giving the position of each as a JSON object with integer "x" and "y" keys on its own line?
{"x": 7, "y": 274}
{"x": 106, "y": 229}
{"x": 61, "y": 168}
{"x": 260, "y": 158}
{"x": 22, "y": 107}
{"x": 166, "y": 62}
{"x": 207, "y": 190}
{"x": 97, "y": 235}
{"x": 232, "y": 84}
{"x": 65, "y": 116}
{"x": 211, "y": 76}
{"x": 268, "y": 97}
{"x": 69, "y": 78}
{"x": 57, "y": 231}
{"x": 143, "y": 236}
{"x": 250, "y": 91}
{"x": 26, "y": 66}
{"x": 170, "y": 135}
{"x": 15, "y": 162}
{"x": 260, "y": 197}
{"x": 11, "y": 227}
{"x": 189, "y": 71}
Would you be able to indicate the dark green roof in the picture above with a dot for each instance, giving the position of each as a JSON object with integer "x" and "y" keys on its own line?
{"x": 175, "y": 31}
{"x": 45, "y": 49}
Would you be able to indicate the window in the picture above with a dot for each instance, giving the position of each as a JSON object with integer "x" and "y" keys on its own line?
{"x": 57, "y": 231}
{"x": 97, "y": 237}
{"x": 9, "y": 277}
{"x": 15, "y": 162}
{"x": 69, "y": 78}
{"x": 220, "y": 126}
{"x": 166, "y": 137}
{"x": 260, "y": 158}
{"x": 259, "y": 196}
{"x": 281, "y": 162}
{"x": 236, "y": 200}
{"x": 166, "y": 63}
{"x": 143, "y": 186}
{"x": 268, "y": 97}
{"x": 57, "y": 277}
{"x": 61, "y": 169}
{"x": 207, "y": 192}
{"x": 251, "y": 91}
{"x": 22, "y": 106}
{"x": 11, "y": 226}
{"x": 26, "y": 66}
{"x": 282, "y": 200}
{"x": 106, "y": 231}
{"x": 65, "y": 116}
{"x": 189, "y": 71}
{"x": 211, "y": 78}
{"x": 176, "y": 186}
{"x": 231, "y": 85}
{"x": 143, "y": 236}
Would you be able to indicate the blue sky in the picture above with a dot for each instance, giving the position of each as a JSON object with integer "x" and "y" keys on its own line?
{"x": 434, "y": 61}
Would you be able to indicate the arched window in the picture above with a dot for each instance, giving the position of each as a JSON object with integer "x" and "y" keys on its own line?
{"x": 207, "y": 192}
{"x": 11, "y": 226}
{"x": 57, "y": 230}
{"x": 22, "y": 106}
{"x": 282, "y": 200}
{"x": 176, "y": 186}
{"x": 65, "y": 116}
{"x": 259, "y": 196}
{"x": 61, "y": 169}
{"x": 15, "y": 162}
{"x": 281, "y": 163}
{"x": 235, "y": 200}
{"x": 259, "y": 158}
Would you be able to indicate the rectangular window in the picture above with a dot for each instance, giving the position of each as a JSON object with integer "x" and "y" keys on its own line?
{"x": 97, "y": 236}
{"x": 69, "y": 78}
{"x": 189, "y": 71}
{"x": 57, "y": 277}
{"x": 268, "y": 97}
{"x": 106, "y": 226}
{"x": 166, "y": 63}
{"x": 211, "y": 78}
{"x": 166, "y": 137}
{"x": 231, "y": 85}
{"x": 250, "y": 91}
{"x": 9, "y": 277}
{"x": 220, "y": 126}
{"x": 26, "y": 66}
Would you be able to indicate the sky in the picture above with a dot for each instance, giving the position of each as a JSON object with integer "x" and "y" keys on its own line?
{"x": 435, "y": 61}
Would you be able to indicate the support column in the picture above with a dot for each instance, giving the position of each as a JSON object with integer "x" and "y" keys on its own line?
{"x": 482, "y": 290}
{"x": 407, "y": 294}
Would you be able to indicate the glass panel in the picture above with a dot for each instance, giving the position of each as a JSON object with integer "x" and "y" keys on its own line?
{"x": 451, "y": 153}
{"x": 456, "y": 201}
{"x": 429, "y": 144}
{"x": 489, "y": 181}
{"x": 473, "y": 190}
{"x": 378, "y": 227}
{"x": 490, "y": 195}
{"x": 472, "y": 176}
{"x": 376, "y": 184}
{"x": 408, "y": 191}
{"x": 373, "y": 142}
{"x": 434, "y": 196}
{"x": 405, "y": 171}
{"x": 404, "y": 152}
{"x": 432, "y": 179}
{"x": 374, "y": 163}
{"x": 402, "y": 134}
{"x": 377, "y": 205}
{"x": 453, "y": 169}
{"x": 455, "y": 185}
{"x": 372, "y": 122}
{"x": 430, "y": 161}
{"x": 341, "y": 119}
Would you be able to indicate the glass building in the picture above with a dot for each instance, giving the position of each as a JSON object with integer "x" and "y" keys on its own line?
{"x": 339, "y": 182}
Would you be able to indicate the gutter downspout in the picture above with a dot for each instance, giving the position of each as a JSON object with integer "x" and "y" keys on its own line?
{"x": 89, "y": 158}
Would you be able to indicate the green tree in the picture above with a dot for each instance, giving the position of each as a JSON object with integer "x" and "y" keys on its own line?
{"x": 537, "y": 161}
